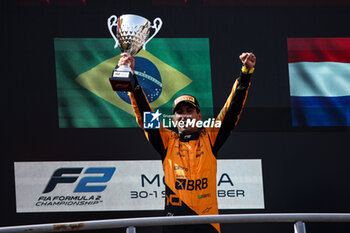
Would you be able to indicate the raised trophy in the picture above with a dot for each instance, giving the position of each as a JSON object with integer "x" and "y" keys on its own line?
{"x": 132, "y": 35}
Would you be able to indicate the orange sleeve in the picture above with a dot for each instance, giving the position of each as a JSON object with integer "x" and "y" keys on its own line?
{"x": 158, "y": 137}
{"x": 231, "y": 112}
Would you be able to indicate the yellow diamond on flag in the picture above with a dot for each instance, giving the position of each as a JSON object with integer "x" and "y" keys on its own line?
{"x": 96, "y": 80}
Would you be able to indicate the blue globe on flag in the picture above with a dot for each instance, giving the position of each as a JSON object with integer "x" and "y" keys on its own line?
{"x": 148, "y": 76}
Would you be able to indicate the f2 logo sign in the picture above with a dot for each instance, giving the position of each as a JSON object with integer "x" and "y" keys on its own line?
{"x": 60, "y": 176}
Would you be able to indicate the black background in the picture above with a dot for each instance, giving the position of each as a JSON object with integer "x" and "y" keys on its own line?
{"x": 304, "y": 169}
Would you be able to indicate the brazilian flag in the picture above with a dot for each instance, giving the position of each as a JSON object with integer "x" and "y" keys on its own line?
{"x": 167, "y": 68}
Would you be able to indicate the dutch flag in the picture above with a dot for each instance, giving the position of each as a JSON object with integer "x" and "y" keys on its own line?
{"x": 319, "y": 78}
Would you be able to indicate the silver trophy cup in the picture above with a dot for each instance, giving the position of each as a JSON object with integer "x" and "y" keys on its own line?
{"x": 132, "y": 34}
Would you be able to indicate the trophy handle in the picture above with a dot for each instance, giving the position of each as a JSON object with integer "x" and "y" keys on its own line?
{"x": 156, "y": 28}
{"x": 111, "y": 23}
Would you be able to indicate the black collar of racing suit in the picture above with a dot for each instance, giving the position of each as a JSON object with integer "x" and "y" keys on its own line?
{"x": 188, "y": 137}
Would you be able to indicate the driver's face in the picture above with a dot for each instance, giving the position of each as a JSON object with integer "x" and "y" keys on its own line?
{"x": 183, "y": 112}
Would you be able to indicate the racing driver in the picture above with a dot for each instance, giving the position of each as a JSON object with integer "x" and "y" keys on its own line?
{"x": 189, "y": 152}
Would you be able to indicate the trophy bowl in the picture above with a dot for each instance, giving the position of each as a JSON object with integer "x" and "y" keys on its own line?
{"x": 132, "y": 32}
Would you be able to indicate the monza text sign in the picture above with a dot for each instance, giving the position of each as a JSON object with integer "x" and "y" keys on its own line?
{"x": 124, "y": 185}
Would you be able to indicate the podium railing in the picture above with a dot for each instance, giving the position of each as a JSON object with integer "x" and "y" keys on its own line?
{"x": 130, "y": 224}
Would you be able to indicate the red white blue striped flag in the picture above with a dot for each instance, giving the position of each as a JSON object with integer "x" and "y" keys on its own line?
{"x": 319, "y": 78}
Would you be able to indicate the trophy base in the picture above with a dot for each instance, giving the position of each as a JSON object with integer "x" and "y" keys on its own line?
{"x": 122, "y": 81}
